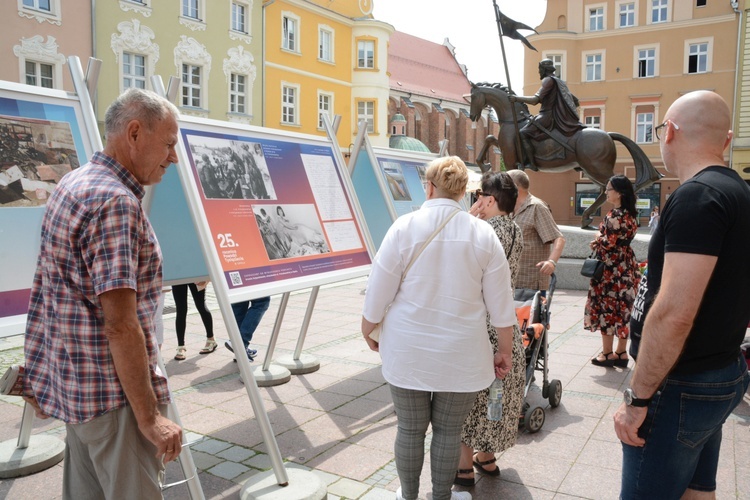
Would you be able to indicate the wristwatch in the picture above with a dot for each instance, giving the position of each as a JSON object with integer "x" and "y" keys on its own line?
{"x": 631, "y": 399}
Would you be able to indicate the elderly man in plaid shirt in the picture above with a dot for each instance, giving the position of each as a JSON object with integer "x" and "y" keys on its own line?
{"x": 90, "y": 351}
{"x": 543, "y": 242}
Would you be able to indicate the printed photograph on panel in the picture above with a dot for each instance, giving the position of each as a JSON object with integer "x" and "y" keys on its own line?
{"x": 34, "y": 155}
{"x": 394, "y": 177}
{"x": 230, "y": 169}
{"x": 290, "y": 230}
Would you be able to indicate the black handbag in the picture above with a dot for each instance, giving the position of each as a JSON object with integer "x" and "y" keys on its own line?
{"x": 592, "y": 267}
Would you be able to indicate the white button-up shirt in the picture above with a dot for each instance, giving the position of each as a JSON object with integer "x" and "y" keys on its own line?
{"x": 434, "y": 335}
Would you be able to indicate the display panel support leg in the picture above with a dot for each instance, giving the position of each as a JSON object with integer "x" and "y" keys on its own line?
{"x": 29, "y": 454}
{"x": 300, "y": 363}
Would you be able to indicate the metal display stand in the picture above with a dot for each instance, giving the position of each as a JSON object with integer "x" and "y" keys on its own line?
{"x": 30, "y": 454}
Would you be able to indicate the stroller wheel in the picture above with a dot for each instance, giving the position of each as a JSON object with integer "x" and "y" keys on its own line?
{"x": 555, "y": 393}
{"x": 534, "y": 419}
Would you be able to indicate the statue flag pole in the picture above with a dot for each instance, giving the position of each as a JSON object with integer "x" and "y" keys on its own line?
{"x": 498, "y": 19}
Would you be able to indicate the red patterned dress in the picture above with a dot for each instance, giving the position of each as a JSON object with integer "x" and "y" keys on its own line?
{"x": 611, "y": 298}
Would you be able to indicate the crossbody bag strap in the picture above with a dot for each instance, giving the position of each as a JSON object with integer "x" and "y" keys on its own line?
{"x": 424, "y": 245}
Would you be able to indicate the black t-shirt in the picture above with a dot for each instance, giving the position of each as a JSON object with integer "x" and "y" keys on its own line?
{"x": 710, "y": 215}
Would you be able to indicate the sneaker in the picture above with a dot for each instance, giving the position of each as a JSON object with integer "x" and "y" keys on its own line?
{"x": 251, "y": 353}
{"x": 399, "y": 496}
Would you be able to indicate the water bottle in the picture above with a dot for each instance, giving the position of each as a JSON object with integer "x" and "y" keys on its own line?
{"x": 495, "y": 401}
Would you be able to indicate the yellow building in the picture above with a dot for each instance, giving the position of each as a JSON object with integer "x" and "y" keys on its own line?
{"x": 627, "y": 61}
{"x": 325, "y": 57}
{"x": 213, "y": 48}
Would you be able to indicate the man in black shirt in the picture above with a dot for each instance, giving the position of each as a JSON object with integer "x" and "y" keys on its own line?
{"x": 690, "y": 313}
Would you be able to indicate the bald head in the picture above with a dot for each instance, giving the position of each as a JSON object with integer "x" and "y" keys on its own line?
{"x": 698, "y": 132}
{"x": 520, "y": 179}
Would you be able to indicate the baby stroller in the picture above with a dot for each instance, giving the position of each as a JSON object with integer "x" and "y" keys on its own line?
{"x": 532, "y": 311}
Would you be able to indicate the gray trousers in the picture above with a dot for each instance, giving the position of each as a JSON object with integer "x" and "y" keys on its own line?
{"x": 415, "y": 411}
{"x": 109, "y": 458}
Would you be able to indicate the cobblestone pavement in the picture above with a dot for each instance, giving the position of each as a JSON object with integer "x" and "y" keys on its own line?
{"x": 338, "y": 421}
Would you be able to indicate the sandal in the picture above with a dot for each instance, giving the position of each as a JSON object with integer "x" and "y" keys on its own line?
{"x": 478, "y": 466}
{"x": 620, "y": 361}
{"x": 464, "y": 481}
{"x": 180, "y": 355}
{"x": 606, "y": 362}
{"x": 210, "y": 346}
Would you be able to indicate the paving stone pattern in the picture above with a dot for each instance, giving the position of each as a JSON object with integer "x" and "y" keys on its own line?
{"x": 338, "y": 422}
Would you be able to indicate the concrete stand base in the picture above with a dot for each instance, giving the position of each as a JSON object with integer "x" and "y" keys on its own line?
{"x": 303, "y": 485}
{"x": 42, "y": 453}
{"x": 275, "y": 375}
{"x": 305, "y": 364}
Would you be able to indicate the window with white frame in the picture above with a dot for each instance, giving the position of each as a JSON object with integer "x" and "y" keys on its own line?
{"x": 366, "y": 54}
{"x": 135, "y": 52}
{"x": 133, "y": 70}
{"x": 596, "y": 18}
{"x": 191, "y": 9}
{"x": 593, "y": 121}
{"x": 325, "y": 44}
{"x": 289, "y": 104}
{"x": 40, "y": 10}
{"x": 289, "y": 33}
{"x": 366, "y": 111}
{"x": 45, "y": 5}
{"x": 237, "y": 93}
{"x": 627, "y": 15}
{"x": 239, "y": 21}
{"x": 644, "y": 128}
{"x": 646, "y": 62}
{"x": 191, "y": 85}
{"x": 698, "y": 57}
{"x": 557, "y": 61}
{"x": 40, "y": 74}
{"x": 594, "y": 67}
{"x": 39, "y": 62}
{"x": 325, "y": 107}
{"x": 659, "y": 11}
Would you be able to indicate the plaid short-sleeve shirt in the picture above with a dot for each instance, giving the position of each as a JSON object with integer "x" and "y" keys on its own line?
{"x": 539, "y": 231}
{"x": 95, "y": 238}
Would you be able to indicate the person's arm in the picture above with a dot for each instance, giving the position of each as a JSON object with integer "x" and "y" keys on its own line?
{"x": 533, "y": 100}
{"x": 128, "y": 348}
{"x": 367, "y": 328}
{"x": 667, "y": 327}
{"x": 504, "y": 355}
{"x": 548, "y": 266}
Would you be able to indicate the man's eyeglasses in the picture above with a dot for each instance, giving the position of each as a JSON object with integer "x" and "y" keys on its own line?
{"x": 656, "y": 129}
{"x": 481, "y": 193}
{"x": 427, "y": 183}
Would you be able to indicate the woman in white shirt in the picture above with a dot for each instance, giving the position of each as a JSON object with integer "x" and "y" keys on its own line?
{"x": 434, "y": 344}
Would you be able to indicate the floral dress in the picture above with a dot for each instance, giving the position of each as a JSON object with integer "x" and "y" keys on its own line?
{"x": 478, "y": 432}
{"x": 611, "y": 298}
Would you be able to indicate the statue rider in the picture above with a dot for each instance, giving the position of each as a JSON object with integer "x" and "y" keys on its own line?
{"x": 558, "y": 112}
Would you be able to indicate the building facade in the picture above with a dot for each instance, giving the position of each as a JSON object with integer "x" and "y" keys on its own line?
{"x": 213, "y": 49}
{"x": 741, "y": 144}
{"x": 627, "y": 61}
{"x": 37, "y": 38}
{"x": 324, "y": 57}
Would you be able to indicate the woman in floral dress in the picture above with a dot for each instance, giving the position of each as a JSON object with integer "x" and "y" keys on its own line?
{"x": 496, "y": 201}
{"x": 611, "y": 298}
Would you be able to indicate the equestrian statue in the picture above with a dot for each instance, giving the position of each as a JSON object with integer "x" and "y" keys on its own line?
{"x": 554, "y": 140}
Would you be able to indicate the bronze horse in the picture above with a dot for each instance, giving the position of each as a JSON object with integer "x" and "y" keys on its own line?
{"x": 591, "y": 150}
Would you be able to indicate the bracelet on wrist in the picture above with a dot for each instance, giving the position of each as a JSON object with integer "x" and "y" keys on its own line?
{"x": 553, "y": 262}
